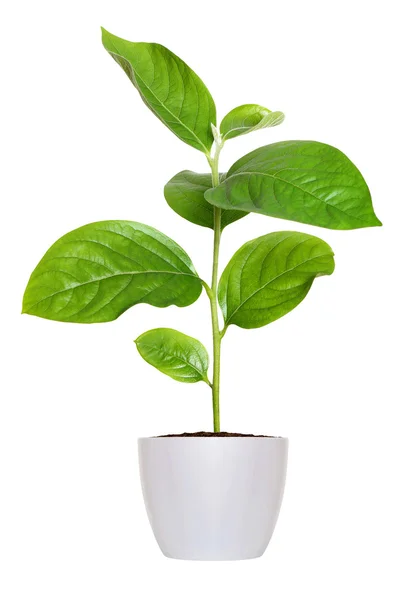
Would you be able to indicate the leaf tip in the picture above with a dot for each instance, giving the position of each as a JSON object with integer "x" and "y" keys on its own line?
{"x": 106, "y": 37}
{"x": 374, "y": 221}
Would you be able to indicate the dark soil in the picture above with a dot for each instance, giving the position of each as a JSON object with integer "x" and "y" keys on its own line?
{"x": 212, "y": 434}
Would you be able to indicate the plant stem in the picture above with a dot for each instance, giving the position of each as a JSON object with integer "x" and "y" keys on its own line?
{"x": 215, "y": 324}
{"x": 216, "y": 334}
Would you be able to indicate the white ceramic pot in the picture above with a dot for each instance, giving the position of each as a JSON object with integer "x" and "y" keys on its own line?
{"x": 213, "y": 498}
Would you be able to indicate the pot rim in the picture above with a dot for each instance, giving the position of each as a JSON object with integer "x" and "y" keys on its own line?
{"x": 212, "y": 438}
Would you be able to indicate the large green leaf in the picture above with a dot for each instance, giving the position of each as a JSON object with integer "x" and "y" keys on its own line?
{"x": 248, "y": 118}
{"x": 308, "y": 182}
{"x": 271, "y": 275}
{"x": 185, "y": 194}
{"x": 175, "y": 354}
{"x": 94, "y": 273}
{"x": 174, "y": 93}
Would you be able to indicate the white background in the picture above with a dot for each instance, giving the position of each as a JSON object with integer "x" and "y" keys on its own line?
{"x": 337, "y": 375}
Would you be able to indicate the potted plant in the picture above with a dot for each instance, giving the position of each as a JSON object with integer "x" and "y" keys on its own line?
{"x": 208, "y": 495}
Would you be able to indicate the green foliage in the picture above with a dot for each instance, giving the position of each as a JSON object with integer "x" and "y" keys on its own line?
{"x": 94, "y": 273}
{"x": 185, "y": 194}
{"x": 248, "y": 118}
{"x": 174, "y": 93}
{"x": 175, "y": 354}
{"x": 270, "y": 276}
{"x": 308, "y": 182}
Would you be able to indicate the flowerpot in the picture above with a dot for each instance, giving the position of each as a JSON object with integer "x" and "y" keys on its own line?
{"x": 213, "y": 498}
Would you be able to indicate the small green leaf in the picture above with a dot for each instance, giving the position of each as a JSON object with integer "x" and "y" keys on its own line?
{"x": 271, "y": 275}
{"x": 185, "y": 194}
{"x": 308, "y": 182}
{"x": 175, "y": 354}
{"x": 248, "y": 118}
{"x": 94, "y": 273}
{"x": 170, "y": 89}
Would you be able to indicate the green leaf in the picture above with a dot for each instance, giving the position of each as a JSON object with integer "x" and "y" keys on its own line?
{"x": 94, "y": 273}
{"x": 308, "y": 182}
{"x": 175, "y": 354}
{"x": 185, "y": 194}
{"x": 248, "y": 118}
{"x": 174, "y": 93}
{"x": 271, "y": 275}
